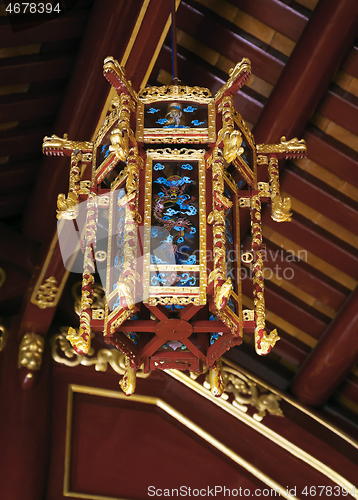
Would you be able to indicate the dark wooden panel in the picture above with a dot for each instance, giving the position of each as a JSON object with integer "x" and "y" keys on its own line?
{"x": 341, "y": 107}
{"x": 223, "y": 38}
{"x": 13, "y": 175}
{"x": 69, "y": 25}
{"x": 272, "y": 13}
{"x": 35, "y": 68}
{"x": 316, "y": 243}
{"x": 22, "y": 141}
{"x": 17, "y": 107}
{"x": 332, "y": 155}
{"x": 12, "y": 204}
{"x": 320, "y": 200}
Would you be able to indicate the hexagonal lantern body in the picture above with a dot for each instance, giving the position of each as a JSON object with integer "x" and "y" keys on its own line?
{"x": 168, "y": 175}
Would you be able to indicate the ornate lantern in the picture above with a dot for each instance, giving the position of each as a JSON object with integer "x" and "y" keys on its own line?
{"x": 164, "y": 184}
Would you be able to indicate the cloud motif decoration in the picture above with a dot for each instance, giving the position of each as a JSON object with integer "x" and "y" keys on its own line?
{"x": 196, "y": 123}
{"x": 158, "y": 166}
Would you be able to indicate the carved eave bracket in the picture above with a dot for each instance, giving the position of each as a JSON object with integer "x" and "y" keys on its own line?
{"x": 292, "y": 149}
{"x": 62, "y": 146}
{"x": 238, "y": 76}
{"x": 115, "y": 74}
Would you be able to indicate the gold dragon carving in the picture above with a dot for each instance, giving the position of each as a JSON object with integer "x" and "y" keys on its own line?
{"x": 238, "y": 76}
{"x": 59, "y": 146}
{"x": 116, "y": 75}
{"x": 293, "y": 148}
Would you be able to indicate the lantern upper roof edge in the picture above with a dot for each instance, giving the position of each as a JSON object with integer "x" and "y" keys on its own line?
{"x": 115, "y": 74}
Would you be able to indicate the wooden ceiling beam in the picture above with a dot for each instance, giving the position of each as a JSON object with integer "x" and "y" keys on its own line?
{"x": 67, "y": 26}
{"x": 332, "y": 359}
{"x": 35, "y": 68}
{"x": 272, "y": 12}
{"x": 319, "y": 199}
{"x": 288, "y": 310}
{"x": 309, "y": 239}
{"x": 332, "y": 155}
{"x": 303, "y": 277}
{"x": 220, "y": 36}
{"x": 289, "y": 348}
{"x": 340, "y": 107}
{"x": 321, "y": 48}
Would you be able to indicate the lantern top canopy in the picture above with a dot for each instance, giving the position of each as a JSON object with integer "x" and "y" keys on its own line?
{"x": 159, "y": 195}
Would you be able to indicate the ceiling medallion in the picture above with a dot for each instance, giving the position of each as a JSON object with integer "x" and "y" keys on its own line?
{"x": 158, "y": 198}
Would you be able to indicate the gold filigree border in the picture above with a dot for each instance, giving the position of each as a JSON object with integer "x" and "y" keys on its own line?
{"x": 176, "y": 155}
{"x": 179, "y": 417}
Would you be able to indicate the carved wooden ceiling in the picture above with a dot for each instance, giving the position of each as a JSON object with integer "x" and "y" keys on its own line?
{"x": 51, "y": 82}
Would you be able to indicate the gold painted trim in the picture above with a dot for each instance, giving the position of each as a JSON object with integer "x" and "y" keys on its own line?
{"x": 263, "y": 430}
{"x": 189, "y": 424}
{"x": 159, "y": 47}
